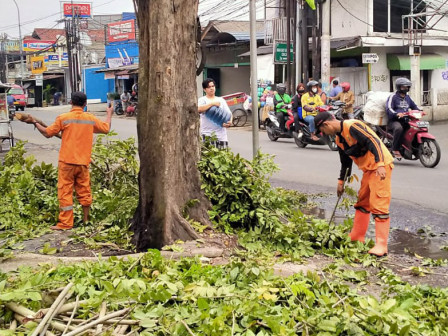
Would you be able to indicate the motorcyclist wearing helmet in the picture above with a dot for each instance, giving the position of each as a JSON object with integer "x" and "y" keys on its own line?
{"x": 397, "y": 104}
{"x": 281, "y": 99}
{"x": 348, "y": 97}
{"x": 310, "y": 101}
{"x": 297, "y": 105}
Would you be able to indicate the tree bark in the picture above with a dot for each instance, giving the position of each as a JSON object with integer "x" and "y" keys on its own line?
{"x": 167, "y": 124}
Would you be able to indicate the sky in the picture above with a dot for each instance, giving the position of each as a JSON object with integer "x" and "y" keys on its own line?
{"x": 45, "y": 13}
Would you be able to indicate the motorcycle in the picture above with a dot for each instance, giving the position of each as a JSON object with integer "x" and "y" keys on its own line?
{"x": 12, "y": 112}
{"x": 118, "y": 107}
{"x": 336, "y": 108}
{"x": 417, "y": 143}
{"x": 272, "y": 125}
{"x": 304, "y": 137}
{"x": 132, "y": 109}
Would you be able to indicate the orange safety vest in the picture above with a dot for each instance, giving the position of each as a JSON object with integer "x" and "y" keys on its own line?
{"x": 364, "y": 158}
{"x": 77, "y": 129}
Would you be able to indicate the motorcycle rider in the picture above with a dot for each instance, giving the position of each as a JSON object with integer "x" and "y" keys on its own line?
{"x": 281, "y": 99}
{"x": 297, "y": 106}
{"x": 396, "y": 106}
{"x": 359, "y": 143}
{"x": 310, "y": 101}
{"x": 348, "y": 97}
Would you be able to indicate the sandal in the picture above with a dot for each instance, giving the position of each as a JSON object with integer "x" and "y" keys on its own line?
{"x": 397, "y": 155}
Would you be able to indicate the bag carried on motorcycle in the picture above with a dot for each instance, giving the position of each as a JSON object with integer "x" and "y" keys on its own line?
{"x": 375, "y": 108}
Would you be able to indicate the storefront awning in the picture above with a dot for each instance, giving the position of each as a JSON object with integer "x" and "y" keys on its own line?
{"x": 427, "y": 62}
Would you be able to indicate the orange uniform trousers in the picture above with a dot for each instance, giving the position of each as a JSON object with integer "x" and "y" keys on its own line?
{"x": 375, "y": 194}
{"x": 72, "y": 176}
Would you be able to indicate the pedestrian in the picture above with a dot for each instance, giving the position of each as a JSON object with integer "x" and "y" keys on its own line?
{"x": 358, "y": 143}
{"x": 125, "y": 98}
{"x": 77, "y": 129}
{"x": 336, "y": 89}
{"x": 212, "y": 111}
{"x": 348, "y": 97}
{"x": 321, "y": 93}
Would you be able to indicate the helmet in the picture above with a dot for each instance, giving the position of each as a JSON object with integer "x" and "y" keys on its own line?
{"x": 402, "y": 82}
{"x": 345, "y": 86}
{"x": 310, "y": 84}
{"x": 281, "y": 88}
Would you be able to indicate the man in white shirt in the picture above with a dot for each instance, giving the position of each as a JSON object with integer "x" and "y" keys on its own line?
{"x": 209, "y": 127}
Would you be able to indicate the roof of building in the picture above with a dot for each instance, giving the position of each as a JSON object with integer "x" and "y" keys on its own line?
{"x": 45, "y": 34}
{"x": 231, "y": 31}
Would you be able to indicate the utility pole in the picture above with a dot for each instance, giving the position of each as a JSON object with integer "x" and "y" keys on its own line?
{"x": 315, "y": 56}
{"x": 297, "y": 44}
{"x": 304, "y": 42}
{"x": 288, "y": 45}
{"x": 325, "y": 45}
{"x": 253, "y": 76}
{"x": 20, "y": 45}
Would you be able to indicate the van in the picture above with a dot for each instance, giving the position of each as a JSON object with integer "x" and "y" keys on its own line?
{"x": 20, "y": 96}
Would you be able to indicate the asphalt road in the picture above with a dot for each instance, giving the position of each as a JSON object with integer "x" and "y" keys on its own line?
{"x": 419, "y": 194}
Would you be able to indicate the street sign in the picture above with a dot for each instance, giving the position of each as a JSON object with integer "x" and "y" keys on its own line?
{"x": 370, "y": 58}
{"x": 280, "y": 53}
{"x": 39, "y": 80}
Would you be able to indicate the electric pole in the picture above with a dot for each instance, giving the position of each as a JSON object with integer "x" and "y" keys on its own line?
{"x": 253, "y": 76}
{"x": 325, "y": 45}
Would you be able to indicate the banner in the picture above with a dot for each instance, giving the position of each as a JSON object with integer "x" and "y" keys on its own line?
{"x": 53, "y": 59}
{"x": 38, "y": 64}
{"x": 121, "y": 31}
{"x": 77, "y": 9}
{"x": 33, "y": 45}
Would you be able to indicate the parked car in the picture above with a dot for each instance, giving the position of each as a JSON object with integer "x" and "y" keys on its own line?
{"x": 20, "y": 95}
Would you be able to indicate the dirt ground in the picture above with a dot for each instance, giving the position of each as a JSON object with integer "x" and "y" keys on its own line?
{"x": 217, "y": 248}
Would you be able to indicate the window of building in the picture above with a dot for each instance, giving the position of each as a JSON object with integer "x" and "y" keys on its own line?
{"x": 387, "y": 14}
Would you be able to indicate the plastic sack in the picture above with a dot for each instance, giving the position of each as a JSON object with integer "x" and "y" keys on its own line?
{"x": 375, "y": 108}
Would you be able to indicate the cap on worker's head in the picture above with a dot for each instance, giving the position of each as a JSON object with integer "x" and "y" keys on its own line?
{"x": 321, "y": 118}
{"x": 79, "y": 98}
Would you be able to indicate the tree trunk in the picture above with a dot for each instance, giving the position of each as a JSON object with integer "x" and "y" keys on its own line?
{"x": 167, "y": 125}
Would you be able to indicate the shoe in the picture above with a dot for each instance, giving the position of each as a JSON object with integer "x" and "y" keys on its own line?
{"x": 360, "y": 226}
{"x": 382, "y": 227}
{"x": 59, "y": 228}
{"x": 397, "y": 155}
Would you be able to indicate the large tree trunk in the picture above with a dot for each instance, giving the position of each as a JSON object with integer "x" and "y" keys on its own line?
{"x": 167, "y": 124}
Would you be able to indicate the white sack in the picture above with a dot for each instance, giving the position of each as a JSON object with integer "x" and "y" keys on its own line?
{"x": 375, "y": 108}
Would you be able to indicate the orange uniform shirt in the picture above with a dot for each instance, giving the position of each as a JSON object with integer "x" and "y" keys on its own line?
{"x": 77, "y": 129}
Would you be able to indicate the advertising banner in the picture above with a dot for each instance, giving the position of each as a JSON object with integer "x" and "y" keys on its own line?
{"x": 77, "y": 9}
{"x": 53, "y": 59}
{"x": 38, "y": 64}
{"x": 33, "y": 45}
{"x": 121, "y": 31}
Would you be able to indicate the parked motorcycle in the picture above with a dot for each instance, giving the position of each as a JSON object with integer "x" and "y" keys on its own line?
{"x": 118, "y": 107}
{"x": 132, "y": 109}
{"x": 418, "y": 143}
{"x": 304, "y": 137}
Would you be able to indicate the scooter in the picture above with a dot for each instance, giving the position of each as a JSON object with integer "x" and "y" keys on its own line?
{"x": 118, "y": 107}
{"x": 336, "y": 108}
{"x": 132, "y": 109}
{"x": 272, "y": 125}
{"x": 418, "y": 143}
{"x": 12, "y": 112}
{"x": 304, "y": 137}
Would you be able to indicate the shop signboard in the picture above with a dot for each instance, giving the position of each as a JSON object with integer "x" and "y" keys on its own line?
{"x": 121, "y": 31}
{"x": 77, "y": 9}
{"x": 33, "y": 45}
{"x": 38, "y": 64}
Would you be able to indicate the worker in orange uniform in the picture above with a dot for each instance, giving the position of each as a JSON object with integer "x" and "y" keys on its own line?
{"x": 77, "y": 129}
{"x": 357, "y": 142}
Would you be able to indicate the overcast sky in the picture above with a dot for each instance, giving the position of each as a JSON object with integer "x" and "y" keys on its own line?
{"x": 45, "y": 13}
